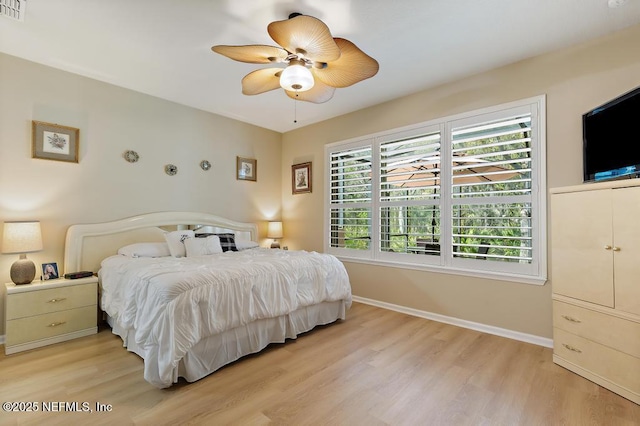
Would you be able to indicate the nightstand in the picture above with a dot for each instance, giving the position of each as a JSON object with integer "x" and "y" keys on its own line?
{"x": 47, "y": 312}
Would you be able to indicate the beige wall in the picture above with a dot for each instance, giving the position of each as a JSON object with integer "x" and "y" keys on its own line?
{"x": 575, "y": 80}
{"x": 102, "y": 186}
{"x": 111, "y": 120}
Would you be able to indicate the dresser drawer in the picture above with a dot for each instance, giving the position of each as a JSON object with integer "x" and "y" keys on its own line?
{"x": 48, "y": 325}
{"x": 614, "y": 366}
{"x": 20, "y": 305}
{"x": 617, "y": 333}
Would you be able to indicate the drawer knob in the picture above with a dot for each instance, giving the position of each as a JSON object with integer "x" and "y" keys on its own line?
{"x": 607, "y": 247}
{"x": 571, "y": 319}
{"x": 616, "y": 249}
{"x": 57, "y": 300}
{"x": 571, "y": 348}
{"x": 55, "y": 324}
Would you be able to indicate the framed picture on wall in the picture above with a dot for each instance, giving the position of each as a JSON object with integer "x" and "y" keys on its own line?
{"x": 246, "y": 169}
{"x": 54, "y": 142}
{"x": 301, "y": 178}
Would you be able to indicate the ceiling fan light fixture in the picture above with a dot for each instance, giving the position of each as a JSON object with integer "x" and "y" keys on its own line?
{"x": 316, "y": 63}
{"x": 296, "y": 77}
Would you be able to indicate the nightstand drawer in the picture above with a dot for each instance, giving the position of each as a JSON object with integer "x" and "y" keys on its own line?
{"x": 48, "y": 325}
{"x": 615, "y": 366}
{"x": 615, "y": 332}
{"x": 21, "y": 305}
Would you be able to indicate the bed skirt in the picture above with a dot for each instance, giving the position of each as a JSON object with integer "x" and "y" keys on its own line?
{"x": 216, "y": 351}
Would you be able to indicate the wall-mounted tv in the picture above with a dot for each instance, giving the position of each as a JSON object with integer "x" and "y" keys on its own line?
{"x": 611, "y": 139}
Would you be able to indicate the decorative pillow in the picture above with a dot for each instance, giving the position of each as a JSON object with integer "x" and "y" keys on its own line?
{"x": 176, "y": 239}
{"x": 245, "y": 244}
{"x": 145, "y": 250}
{"x": 227, "y": 241}
{"x": 202, "y": 246}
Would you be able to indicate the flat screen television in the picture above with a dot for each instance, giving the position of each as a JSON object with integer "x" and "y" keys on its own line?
{"x": 611, "y": 139}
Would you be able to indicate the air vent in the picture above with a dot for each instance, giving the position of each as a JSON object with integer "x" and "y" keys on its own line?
{"x": 14, "y": 9}
{"x": 616, "y": 3}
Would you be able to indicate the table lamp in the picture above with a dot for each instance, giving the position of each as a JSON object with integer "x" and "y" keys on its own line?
{"x": 274, "y": 230}
{"x": 21, "y": 238}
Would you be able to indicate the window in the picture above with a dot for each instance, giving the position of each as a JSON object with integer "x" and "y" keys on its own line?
{"x": 410, "y": 192}
{"x": 464, "y": 194}
{"x": 350, "y": 208}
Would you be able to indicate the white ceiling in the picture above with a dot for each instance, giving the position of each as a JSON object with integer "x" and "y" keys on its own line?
{"x": 163, "y": 47}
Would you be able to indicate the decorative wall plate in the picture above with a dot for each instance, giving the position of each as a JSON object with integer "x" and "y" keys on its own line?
{"x": 170, "y": 169}
{"x": 205, "y": 165}
{"x": 131, "y": 156}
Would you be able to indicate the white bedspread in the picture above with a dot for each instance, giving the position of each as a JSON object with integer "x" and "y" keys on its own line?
{"x": 172, "y": 303}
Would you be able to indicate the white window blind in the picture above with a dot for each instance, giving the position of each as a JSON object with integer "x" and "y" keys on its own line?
{"x": 409, "y": 182}
{"x": 491, "y": 190}
{"x": 463, "y": 194}
{"x": 350, "y": 200}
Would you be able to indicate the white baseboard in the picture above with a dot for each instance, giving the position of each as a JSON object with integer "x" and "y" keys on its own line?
{"x": 489, "y": 329}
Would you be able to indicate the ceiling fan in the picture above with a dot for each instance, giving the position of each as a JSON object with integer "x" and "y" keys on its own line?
{"x": 318, "y": 63}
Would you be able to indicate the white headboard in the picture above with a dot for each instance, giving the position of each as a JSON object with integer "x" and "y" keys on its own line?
{"x": 86, "y": 245}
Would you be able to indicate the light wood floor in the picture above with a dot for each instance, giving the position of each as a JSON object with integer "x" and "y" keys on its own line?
{"x": 377, "y": 367}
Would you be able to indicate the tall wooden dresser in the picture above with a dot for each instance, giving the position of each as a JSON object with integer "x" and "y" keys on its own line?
{"x": 595, "y": 248}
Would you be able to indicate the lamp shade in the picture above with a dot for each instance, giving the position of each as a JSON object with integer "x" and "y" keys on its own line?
{"x": 296, "y": 77}
{"x": 21, "y": 237}
{"x": 274, "y": 230}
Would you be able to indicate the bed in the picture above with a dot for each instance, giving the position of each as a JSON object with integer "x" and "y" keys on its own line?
{"x": 187, "y": 316}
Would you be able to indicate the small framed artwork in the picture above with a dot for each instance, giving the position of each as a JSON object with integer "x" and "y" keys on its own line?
{"x": 50, "y": 271}
{"x": 301, "y": 178}
{"x": 54, "y": 142}
{"x": 246, "y": 169}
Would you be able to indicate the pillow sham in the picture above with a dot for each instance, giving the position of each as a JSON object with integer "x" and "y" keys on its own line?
{"x": 145, "y": 250}
{"x": 245, "y": 244}
{"x": 202, "y": 246}
{"x": 227, "y": 241}
{"x": 175, "y": 240}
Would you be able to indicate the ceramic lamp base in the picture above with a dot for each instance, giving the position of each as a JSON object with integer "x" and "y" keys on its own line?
{"x": 23, "y": 271}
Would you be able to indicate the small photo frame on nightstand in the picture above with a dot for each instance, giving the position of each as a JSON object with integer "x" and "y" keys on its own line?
{"x": 50, "y": 271}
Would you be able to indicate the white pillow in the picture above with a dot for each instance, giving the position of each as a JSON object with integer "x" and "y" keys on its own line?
{"x": 176, "y": 240}
{"x": 145, "y": 250}
{"x": 246, "y": 244}
{"x": 203, "y": 246}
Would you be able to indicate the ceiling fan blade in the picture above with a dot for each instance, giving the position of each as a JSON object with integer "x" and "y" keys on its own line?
{"x": 353, "y": 66}
{"x": 318, "y": 94}
{"x": 261, "y": 81}
{"x": 306, "y": 36}
{"x": 253, "y": 54}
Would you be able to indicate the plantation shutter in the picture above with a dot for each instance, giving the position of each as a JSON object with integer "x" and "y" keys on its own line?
{"x": 491, "y": 190}
{"x": 463, "y": 194}
{"x": 409, "y": 182}
{"x": 350, "y": 198}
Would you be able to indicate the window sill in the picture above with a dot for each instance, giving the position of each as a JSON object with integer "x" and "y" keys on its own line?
{"x": 449, "y": 270}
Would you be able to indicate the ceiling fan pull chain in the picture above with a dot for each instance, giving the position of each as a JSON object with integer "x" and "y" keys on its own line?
{"x": 295, "y": 109}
